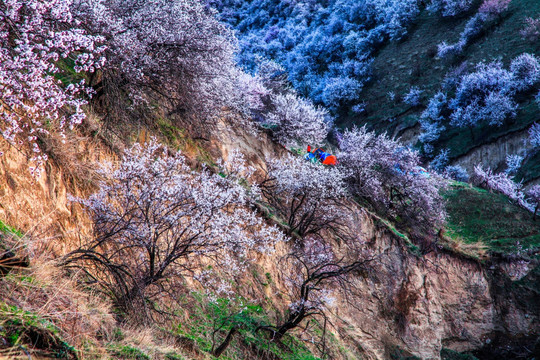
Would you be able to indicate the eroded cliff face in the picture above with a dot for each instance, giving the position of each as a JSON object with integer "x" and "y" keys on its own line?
{"x": 422, "y": 304}
{"x": 494, "y": 154}
{"x": 419, "y": 304}
{"x": 39, "y": 207}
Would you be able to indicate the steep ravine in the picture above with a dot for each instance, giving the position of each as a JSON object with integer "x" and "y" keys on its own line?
{"x": 422, "y": 304}
{"x": 409, "y": 303}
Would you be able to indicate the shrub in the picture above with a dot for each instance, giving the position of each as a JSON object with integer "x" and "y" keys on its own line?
{"x": 513, "y": 163}
{"x": 531, "y": 31}
{"x": 473, "y": 28}
{"x": 413, "y": 97}
{"x": 431, "y": 131}
{"x": 526, "y": 71}
{"x": 534, "y": 135}
{"x": 457, "y": 173}
{"x": 339, "y": 90}
{"x": 440, "y": 162}
{"x": 494, "y": 7}
{"x": 533, "y": 196}
{"x": 450, "y": 7}
{"x": 446, "y": 50}
{"x": 484, "y": 95}
{"x": 430, "y": 121}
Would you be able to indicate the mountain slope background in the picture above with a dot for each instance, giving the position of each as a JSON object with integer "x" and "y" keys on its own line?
{"x": 333, "y": 42}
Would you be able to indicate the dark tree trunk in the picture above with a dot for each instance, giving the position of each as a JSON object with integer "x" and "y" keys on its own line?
{"x": 221, "y": 348}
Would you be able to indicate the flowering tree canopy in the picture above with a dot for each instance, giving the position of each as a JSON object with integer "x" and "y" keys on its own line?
{"x": 501, "y": 182}
{"x": 307, "y": 196}
{"x": 176, "y": 50}
{"x": 450, "y": 7}
{"x": 155, "y": 218}
{"x": 298, "y": 121}
{"x": 388, "y": 175}
{"x": 35, "y": 38}
{"x": 485, "y": 96}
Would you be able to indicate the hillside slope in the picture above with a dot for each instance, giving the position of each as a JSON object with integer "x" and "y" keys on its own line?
{"x": 411, "y": 305}
{"x": 360, "y": 60}
{"x": 400, "y": 65}
{"x": 163, "y": 208}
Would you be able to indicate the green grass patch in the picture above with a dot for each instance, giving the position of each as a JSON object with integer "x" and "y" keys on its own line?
{"x": 174, "y": 356}
{"x": 179, "y": 139}
{"x": 8, "y": 230}
{"x": 413, "y": 249}
{"x": 206, "y": 316}
{"x": 20, "y": 328}
{"x": 128, "y": 352}
{"x": 477, "y": 215}
{"x": 67, "y": 74}
{"x": 447, "y": 354}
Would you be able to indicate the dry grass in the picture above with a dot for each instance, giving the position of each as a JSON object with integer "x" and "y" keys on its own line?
{"x": 42, "y": 294}
{"x": 47, "y": 313}
{"x": 72, "y": 154}
{"x": 477, "y": 250}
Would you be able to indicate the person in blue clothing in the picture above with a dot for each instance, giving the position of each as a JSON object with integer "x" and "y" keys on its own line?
{"x": 319, "y": 155}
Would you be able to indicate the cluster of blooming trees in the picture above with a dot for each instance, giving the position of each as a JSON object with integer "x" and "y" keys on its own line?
{"x": 388, "y": 175}
{"x": 500, "y": 182}
{"x": 156, "y": 221}
{"x": 485, "y": 96}
{"x": 488, "y": 13}
{"x": 327, "y": 249}
{"x": 449, "y": 7}
{"x": 56, "y": 54}
{"x": 169, "y": 50}
{"x": 324, "y": 46}
{"x": 504, "y": 184}
{"x": 273, "y": 104}
{"x": 34, "y": 37}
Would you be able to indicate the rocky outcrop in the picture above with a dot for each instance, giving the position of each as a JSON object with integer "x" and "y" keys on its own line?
{"x": 494, "y": 154}
{"x": 422, "y": 304}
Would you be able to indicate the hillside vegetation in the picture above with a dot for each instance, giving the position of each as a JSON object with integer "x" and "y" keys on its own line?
{"x": 156, "y": 200}
{"x": 398, "y": 66}
{"x": 384, "y": 71}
